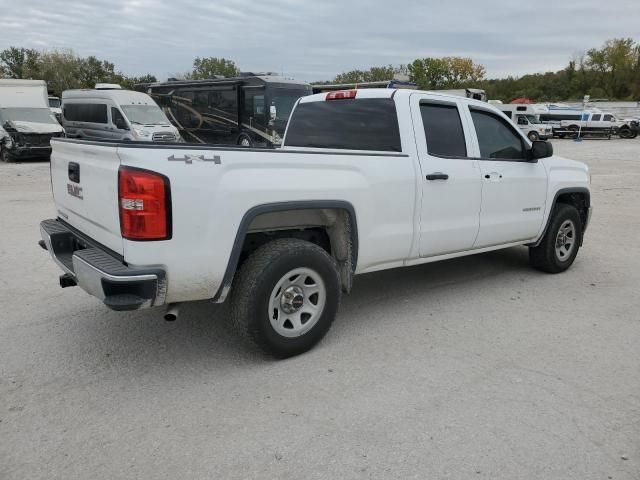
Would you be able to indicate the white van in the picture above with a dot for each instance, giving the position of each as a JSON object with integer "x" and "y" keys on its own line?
{"x": 527, "y": 118}
{"x": 54, "y": 106}
{"x": 111, "y": 113}
{"x": 26, "y": 123}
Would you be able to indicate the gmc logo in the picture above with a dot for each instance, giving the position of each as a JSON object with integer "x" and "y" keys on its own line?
{"x": 74, "y": 190}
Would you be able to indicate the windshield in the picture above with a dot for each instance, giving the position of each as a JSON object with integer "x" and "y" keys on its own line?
{"x": 36, "y": 115}
{"x": 284, "y": 99}
{"x": 532, "y": 119}
{"x": 144, "y": 114}
{"x": 54, "y": 102}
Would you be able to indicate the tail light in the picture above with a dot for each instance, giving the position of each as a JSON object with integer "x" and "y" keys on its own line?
{"x": 145, "y": 204}
{"x": 341, "y": 94}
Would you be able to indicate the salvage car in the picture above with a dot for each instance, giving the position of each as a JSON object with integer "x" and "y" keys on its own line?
{"x": 366, "y": 180}
{"x": 26, "y": 122}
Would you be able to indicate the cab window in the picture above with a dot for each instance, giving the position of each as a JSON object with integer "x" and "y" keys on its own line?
{"x": 443, "y": 130}
{"x": 496, "y": 138}
{"x": 596, "y": 117}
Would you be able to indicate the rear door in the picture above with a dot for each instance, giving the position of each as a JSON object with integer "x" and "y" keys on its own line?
{"x": 514, "y": 190}
{"x": 450, "y": 180}
{"x": 84, "y": 178}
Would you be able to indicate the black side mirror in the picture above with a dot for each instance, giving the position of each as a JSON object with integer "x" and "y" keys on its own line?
{"x": 541, "y": 149}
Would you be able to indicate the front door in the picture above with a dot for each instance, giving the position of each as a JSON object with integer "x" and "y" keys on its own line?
{"x": 451, "y": 185}
{"x": 514, "y": 190}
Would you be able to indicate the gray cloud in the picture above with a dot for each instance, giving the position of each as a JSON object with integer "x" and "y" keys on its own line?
{"x": 316, "y": 40}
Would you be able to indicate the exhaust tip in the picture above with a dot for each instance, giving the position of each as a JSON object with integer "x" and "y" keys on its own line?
{"x": 173, "y": 310}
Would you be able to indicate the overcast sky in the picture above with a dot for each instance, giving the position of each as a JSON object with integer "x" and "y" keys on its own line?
{"x": 315, "y": 39}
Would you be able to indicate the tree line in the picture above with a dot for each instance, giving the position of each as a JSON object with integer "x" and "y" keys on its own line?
{"x": 611, "y": 71}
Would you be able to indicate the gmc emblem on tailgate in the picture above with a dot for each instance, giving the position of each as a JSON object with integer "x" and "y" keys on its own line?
{"x": 74, "y": 190}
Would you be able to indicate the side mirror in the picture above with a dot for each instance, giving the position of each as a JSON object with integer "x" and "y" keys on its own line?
{"x": 541, "y": 149}
{"x": 273, "y": 113}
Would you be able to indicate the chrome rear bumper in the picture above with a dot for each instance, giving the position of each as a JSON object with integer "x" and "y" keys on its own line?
{"x": 100, "y": 272}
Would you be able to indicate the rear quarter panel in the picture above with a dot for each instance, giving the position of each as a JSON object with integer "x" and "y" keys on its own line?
{"x": 209, "y": 200}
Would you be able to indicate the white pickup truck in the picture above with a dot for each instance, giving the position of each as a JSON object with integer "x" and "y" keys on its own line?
{"x": 366, "y": 180}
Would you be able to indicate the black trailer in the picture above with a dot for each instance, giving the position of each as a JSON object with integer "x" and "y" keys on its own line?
{"x": 249, "y": 110}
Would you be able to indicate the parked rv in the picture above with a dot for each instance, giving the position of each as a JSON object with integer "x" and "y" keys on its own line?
{"x": 26, "y": 123}
{"x": 526, "y": 117}
{"x": 249, "y": 110}
{"x": 108, "y": 112}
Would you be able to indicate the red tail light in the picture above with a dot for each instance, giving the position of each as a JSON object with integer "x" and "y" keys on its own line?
{"x": 145, "y": 204}
{"x": 341, "y": 94}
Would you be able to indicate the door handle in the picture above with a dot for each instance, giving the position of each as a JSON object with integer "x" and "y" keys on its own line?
{"x": 437, "y": 176}
{"x": 74, "y": 172}
{"x": 493, "y": 175}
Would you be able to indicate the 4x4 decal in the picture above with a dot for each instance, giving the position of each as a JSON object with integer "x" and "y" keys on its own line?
{"x": 189, "y": 159}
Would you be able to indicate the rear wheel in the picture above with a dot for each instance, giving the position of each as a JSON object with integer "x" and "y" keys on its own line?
{"x": 286, "y": 296}
{"x": 561, "y": 242}
{"x": 575, "y": 130}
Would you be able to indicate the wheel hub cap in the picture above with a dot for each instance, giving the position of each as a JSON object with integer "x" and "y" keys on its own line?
{"x": 292, "y": 299}
{"x": 565, "y": 240}
{"x": 297, "y": 302}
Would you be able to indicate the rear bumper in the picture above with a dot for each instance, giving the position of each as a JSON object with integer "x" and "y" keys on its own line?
{"x": 100, "y": 272}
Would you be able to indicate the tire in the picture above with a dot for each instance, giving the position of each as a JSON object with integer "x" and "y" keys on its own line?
{"x": 549, "y": 256}
{"x": 624, "y": 133}
{"x": 244, "y": 140}
{"x": 5, "y": 156}
{"x": 533, "y": 136}
{"x": 283, "y": 326}
{"x": 575, "y": 130}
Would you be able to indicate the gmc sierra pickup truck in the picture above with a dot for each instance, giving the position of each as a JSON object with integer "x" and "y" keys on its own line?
{"x": 365, "y": 180}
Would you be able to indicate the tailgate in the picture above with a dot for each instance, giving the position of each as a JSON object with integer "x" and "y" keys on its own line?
{"x": 84, "y": 178}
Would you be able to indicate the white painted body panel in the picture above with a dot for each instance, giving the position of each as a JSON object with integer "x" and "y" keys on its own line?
{"x": 401, "y": 218}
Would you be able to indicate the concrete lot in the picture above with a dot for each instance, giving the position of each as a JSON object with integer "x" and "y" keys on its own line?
{"x": 478, "y": 368}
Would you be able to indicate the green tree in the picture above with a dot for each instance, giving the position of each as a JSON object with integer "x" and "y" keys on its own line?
{"x": 208, "y": 67}
{"x": 447, "y": 72}
{"x": 19, "y": 62}
{"x": 374, "y": 74}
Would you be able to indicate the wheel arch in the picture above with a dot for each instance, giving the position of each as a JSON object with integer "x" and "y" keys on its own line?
{"x": 347, "y": 257}
{"x": 579, "y": 197}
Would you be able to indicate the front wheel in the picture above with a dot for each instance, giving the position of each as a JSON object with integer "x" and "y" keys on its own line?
{"x": 533, "y": 136}
{"x": 244, "y": 140}
{"x": 286, "y": 296}
{"x": 5, "y": 156}
{"x": 561, "y": 242}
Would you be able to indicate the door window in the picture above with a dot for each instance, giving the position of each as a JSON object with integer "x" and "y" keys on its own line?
{"x": 496, "y": 138}
{"x": 608, "y": 118}
{"x": 443, "y": 130}
{"x": 596, "y": 117}
{"x": 117, "y": 119}
{"x": 522, "y": 121}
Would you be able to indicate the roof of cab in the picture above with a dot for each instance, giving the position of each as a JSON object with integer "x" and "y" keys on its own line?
{"x": 388, "y": 93}
{"x": 120, "y": 96}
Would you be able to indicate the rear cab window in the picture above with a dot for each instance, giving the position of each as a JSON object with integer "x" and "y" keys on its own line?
{"x": 443, "y": 129}
{"x": 349, "y": 124}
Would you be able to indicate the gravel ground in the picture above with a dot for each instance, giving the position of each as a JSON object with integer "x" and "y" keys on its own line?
{"x": 476, "y": 368}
